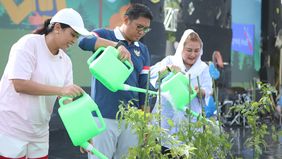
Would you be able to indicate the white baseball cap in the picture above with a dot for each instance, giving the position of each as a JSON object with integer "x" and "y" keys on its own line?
{"x": 72, "y": 18}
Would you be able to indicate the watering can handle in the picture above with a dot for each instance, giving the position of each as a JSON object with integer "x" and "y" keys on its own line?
{"x": 62, "y": 99}
{"x": 96, "y": 53}
{"x": 169, "y": 76}
{"x": 101, "y": 120}
{"x": 129, "y": 65}
{"x": 89, "y": 147}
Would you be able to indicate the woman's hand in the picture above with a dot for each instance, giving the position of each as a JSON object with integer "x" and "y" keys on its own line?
{"x": 169, "y": 68}
{"x": 71, "y": 91}
{"x": 199, "y": 91}
{"x": 173, "y": 68}
{"x": 82, "y": 150}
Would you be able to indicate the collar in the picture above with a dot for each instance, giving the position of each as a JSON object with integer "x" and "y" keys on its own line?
{"x": 119, "y": 36}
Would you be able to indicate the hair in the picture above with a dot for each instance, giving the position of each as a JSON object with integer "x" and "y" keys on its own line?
{"x": 137, "y": 10}
{"x": 194, "y": 37}
{"x": 47, "y": 28}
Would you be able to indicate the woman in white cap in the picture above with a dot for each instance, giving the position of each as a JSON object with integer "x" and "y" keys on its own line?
{"x": 37, "y": 72}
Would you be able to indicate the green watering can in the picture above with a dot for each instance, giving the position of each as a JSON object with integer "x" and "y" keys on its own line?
{"x": 176, "y": 85}
{"x": 106, "y": 67}
{"x": 79, "y": 122}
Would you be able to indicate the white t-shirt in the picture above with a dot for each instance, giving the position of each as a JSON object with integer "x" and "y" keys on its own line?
{"x": 27, "y": 116}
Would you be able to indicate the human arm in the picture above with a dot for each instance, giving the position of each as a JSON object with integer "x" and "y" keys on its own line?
{"x": 124, "y": 54}
{"x": 34, "y": 88}
{"x": 27, "y": 71}
{"x": 161, "y": 70}
{"x": 164, "y": 71}
{"x": 99, "y": 40}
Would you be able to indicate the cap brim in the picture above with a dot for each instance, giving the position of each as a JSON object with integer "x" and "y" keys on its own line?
{"x": 82, "y": 31}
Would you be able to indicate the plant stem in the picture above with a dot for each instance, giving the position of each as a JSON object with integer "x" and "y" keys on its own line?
{"x": 216, "y": 103}
{"x": 159, "y": 108}
{"x": 189, "y": 116}
{"x": 201, "y": 101}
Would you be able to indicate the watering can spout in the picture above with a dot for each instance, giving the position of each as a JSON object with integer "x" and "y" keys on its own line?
{"x": 89, "y": 147}
{"x": 127, "y": 87}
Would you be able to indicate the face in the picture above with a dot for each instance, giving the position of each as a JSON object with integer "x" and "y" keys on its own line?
{"x": 66, "y": 38}
{"x": 191, "y": 52}
{"x": 136, "y": 29}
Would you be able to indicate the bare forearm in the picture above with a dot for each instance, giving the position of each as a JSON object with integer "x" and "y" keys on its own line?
{"x": 101, "y": 42}
{"x": 124, "y": 54}
{"x": 34, "y": 88}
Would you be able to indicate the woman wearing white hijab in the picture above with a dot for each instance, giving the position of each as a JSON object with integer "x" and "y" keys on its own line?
{"x": 187, "y": 59}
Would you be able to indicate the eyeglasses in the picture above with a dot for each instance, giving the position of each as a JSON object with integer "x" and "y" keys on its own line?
{"x": 140, "y": 27}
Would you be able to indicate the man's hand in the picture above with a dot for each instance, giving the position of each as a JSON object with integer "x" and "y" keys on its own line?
{"x": 124, "y": 54}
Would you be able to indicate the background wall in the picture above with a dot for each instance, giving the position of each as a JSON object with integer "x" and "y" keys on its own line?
{"x": 18, "y": 17}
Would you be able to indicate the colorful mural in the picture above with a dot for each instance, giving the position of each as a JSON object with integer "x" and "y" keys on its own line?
{"x": 19, "y": 17}
{"x": 28, "y": 13}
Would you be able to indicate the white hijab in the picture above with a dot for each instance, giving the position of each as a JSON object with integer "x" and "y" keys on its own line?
{"x": 198, "y": 67}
